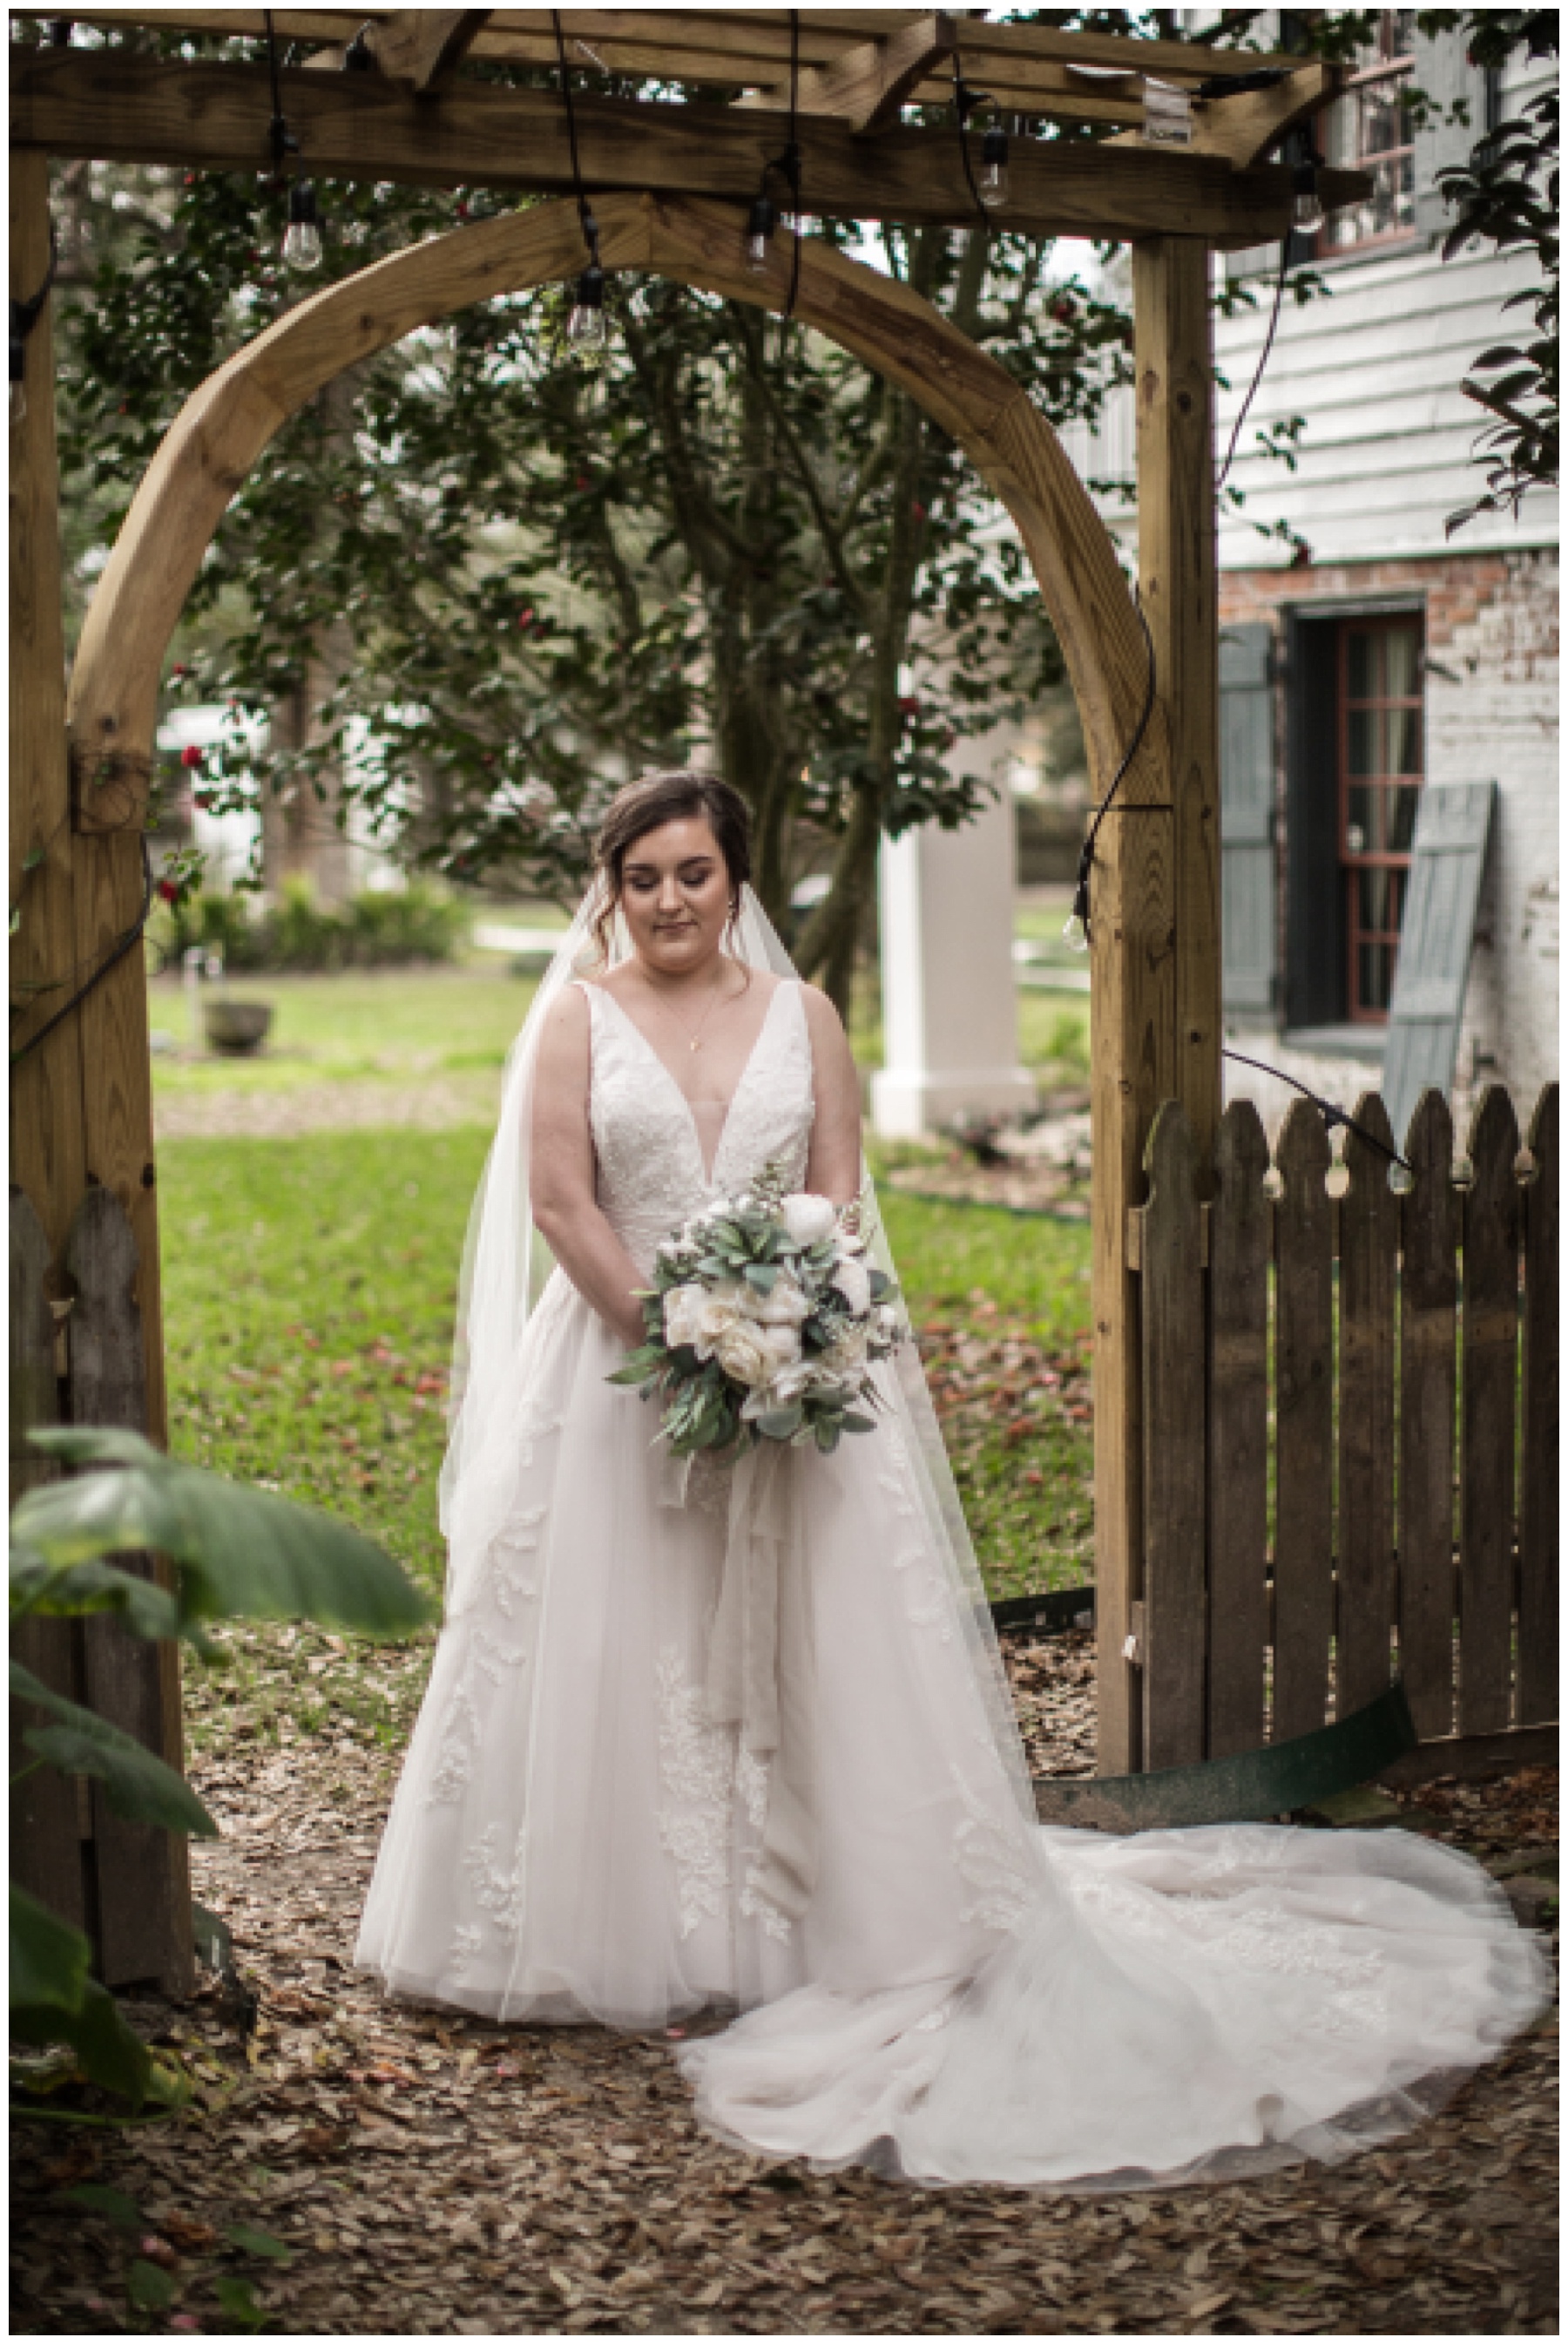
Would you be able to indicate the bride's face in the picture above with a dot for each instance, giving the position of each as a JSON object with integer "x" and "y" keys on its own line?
{"x": 675, "y": 894}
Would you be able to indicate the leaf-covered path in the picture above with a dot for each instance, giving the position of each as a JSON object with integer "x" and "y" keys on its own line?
{"x": 425, "y": 2176}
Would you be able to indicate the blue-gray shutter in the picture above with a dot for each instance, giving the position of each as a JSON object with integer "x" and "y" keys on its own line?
{"x": 1445, "y": 75}
{"x": 1436, "y": 937}
{"x": 1249, "y": 942}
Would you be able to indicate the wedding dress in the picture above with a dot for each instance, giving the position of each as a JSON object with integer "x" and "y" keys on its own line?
{"x": 937, "y": 1986}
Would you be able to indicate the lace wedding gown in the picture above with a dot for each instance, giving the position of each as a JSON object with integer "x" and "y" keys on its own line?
{"x": 932, "y": 1983}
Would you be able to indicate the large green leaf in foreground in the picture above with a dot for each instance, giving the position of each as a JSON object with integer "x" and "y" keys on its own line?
{"x": 242, "y": 1553}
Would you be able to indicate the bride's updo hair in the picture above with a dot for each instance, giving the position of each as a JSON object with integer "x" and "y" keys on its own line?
{"x": 648, "y": 804}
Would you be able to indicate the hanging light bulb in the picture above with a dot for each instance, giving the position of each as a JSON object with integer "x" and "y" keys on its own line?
{"x": 1076, "y": 931}
{"x": 588, "y": 328}
{"x": 1307, "y": 213}
{"x": 759, "y": 230}
{"x": 302, "y": 246}
{"x": 993, "y": 181}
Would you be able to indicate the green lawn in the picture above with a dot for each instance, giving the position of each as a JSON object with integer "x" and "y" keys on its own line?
{"x": 309, "y": 1287}
{"x": 396, "y": 1024}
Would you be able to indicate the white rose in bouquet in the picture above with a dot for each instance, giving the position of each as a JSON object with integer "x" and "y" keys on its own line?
{"x": 786, "y": 1306}
{"x": 853, "y": 1280}
{"x": 683, "y": 1316}
{"x": 742, "y": 1351}
{"x": 719, "y": 1313}
{"x": 782, "y": 1345}
{"x": 807, "y": 1219}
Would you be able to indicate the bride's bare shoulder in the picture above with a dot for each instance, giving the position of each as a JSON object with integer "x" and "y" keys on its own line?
{"x": 822, "y": 1016}
{"x": 566, "y": 1021}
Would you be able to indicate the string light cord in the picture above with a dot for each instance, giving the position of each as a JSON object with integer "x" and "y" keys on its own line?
{"x": 1080, "y": 913}
{"x": 112, "y": 958}
{"x": 585, "y": 211}
{"x": 1245, "y": 408}
{"x": 965, "y": 101}
{"x": 1334, "y": 1118}
{"x": 284, "y": 142}
{"x": 789, "y": 162}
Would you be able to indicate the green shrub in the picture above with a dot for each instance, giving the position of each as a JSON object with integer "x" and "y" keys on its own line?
{"x": 381, "y": 928}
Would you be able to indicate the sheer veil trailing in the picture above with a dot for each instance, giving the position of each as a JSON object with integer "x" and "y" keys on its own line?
{"x": 506, "y": 1264}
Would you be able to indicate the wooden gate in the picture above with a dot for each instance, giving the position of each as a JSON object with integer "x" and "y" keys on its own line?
{"x": 1350, "y": 1434}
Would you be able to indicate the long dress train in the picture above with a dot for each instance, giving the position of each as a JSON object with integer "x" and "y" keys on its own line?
{"x": 929, "y": 1982}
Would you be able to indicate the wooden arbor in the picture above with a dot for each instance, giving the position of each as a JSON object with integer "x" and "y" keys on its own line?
{"x": 1156, "y": 894}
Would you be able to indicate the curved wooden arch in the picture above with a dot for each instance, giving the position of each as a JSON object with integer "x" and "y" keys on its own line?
{"x": 203, "y": 461}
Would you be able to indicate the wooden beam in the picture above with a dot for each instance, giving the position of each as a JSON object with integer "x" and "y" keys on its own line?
{"x": 423, "y": 47}
{"x": 744, "y": 37}
{"x": 867, "y": 85}
{"x": 1243, "y": 128}
{"x": 114, "y": 107}
{"x": 1173, "y": 374}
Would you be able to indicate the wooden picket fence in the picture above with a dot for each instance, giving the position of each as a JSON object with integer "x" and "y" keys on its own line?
{"x": 1350, "y": 1433}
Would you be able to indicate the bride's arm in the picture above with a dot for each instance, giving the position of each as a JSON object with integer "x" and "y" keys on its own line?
{"x": 561, "y": 1173}
{"x": 834, "y": 1167}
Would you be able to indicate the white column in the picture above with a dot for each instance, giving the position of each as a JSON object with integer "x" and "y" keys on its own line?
{"x": 949, "y": 1017}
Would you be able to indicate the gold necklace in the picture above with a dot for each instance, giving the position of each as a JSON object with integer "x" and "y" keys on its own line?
{"x": 694, "y": 1039}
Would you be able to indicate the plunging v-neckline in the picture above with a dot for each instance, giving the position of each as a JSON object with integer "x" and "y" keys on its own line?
{"x": 709, "y": 1168}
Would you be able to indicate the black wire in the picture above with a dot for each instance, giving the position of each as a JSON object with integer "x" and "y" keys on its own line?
{"x": 965, "y": 100}
{"x": 111, "y": 959}
{"x": 590, "y": 225}
{"x": 792, "y": 165}
{"x": 1258, "y": 370}
{"x": 1334, "y": 1117}
{"x": 282, "y": 142}
{"x": 1086, "y": 858}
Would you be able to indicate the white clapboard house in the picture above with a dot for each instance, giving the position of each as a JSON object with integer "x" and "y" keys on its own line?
{"x": 1388, "y": 691}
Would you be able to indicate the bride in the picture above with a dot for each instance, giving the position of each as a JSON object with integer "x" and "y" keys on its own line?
{"x": 926, "y": 1980}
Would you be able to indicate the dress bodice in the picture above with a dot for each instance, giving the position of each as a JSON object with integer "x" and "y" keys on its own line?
{"x": 651, "y": 1175}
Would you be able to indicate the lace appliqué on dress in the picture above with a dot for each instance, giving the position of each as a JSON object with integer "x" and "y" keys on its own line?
{"x": 497, "y": 1889}
{"x": 706, "y": 1778}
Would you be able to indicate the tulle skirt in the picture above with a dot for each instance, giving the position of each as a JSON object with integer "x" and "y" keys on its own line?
{"x": 962, "y": 1995}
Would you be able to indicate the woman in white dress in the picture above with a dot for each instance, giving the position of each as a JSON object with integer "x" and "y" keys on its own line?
{"x": 847, "y": 1855}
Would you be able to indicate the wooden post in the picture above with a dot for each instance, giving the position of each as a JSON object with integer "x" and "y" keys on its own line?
{"x": 82, "y": 1099}
{"x": 1157, "y": 920}
{"x": 1174, "y": 366}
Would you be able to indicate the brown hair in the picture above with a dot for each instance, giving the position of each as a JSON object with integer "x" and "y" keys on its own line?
{"x": 648, "y": 804}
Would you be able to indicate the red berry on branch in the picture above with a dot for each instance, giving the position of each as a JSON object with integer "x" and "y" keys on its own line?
{"x": 525, "y": 620}
{"x": 169, "y": 890}
{"x": 908, "y": 708}
{"x": 191, "y": 758}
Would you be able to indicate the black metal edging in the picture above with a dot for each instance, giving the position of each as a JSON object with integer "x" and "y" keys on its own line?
{"x": 1057, "y": 1611}
{"x": 1249, "y": 1788}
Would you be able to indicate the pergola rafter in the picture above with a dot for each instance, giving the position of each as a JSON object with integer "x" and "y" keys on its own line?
{"x": 672, "y": 182}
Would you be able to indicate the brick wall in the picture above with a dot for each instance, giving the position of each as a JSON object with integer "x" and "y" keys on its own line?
{"x": 1492, "y": 715}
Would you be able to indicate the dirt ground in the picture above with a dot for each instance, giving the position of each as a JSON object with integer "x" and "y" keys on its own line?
{"x": 362, "y": 2168}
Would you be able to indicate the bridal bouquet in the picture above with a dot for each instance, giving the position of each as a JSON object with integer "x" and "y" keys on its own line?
{"x": 763, "y": 1321}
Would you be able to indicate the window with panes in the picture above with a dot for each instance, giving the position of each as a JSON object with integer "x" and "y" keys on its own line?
{"x": 1368, "y": 129}
{"x": 1381, "y": 763}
